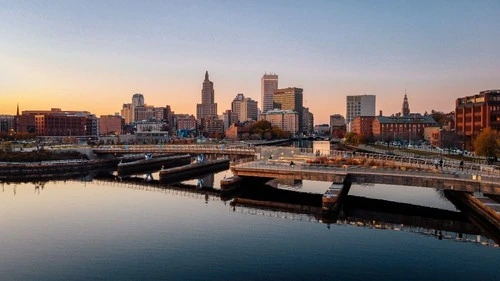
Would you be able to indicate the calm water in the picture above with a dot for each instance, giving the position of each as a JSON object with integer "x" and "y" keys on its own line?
{"x": 103, "y": 230}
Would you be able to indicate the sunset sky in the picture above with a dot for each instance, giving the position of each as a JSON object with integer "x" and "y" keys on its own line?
{"x": 94, "y": 55}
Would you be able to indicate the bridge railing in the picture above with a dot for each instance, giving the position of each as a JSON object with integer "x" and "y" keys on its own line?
{"x": 188, "y": 148}
{"x": 447, "y": 166}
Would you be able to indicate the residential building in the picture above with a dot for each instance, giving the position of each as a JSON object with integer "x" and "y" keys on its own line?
{"x": 238, "y": 131}
{"x": 7, "y": 123}
{"x": 268, "y": 85}
{"x": 248, "y": 110}
{"x": 151, "y": 126}
{"x": 184, "y": 122}
{"x": 322, "y": 129}
{"x": 290, "y": 99}
{"x": 286, "y": 120}
{"x": 55, "y": 122}
{"x": 236, "y": 106}
{"x": 127, "y": 113}
{"x": 111, "y": 124}
{"x": 476, "y": 112}
{"x": 212, "y": 127}
{"x": 363, "y": 126}
{"x": 337, "y": 126}
{"x": 229, "y": 117}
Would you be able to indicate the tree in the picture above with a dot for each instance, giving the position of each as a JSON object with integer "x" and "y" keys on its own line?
{"x": 352, "y": 138}
{"x": 442, "y": 118}
{"x": 261, "y": 126}
{"x": 266, "y": 130}
{"x": 487, "y": 143}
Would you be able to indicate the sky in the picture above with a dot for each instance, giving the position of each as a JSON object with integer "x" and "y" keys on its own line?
{"x": 94, "y": 55}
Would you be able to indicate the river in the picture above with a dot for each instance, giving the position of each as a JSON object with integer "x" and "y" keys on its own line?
{"x": 118, "y": 230}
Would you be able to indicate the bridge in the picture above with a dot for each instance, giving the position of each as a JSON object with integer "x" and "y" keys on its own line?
{"x": 365, "y": 174}
{"x": 177, "y": 149}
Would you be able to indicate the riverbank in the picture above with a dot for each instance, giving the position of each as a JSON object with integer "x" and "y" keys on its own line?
{"x": 41, "y": 155}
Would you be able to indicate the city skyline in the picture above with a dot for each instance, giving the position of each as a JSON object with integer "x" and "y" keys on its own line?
{"x": 93, "y": 56}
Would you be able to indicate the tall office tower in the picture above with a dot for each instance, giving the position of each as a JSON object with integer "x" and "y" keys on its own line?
{"x": 207, "y": 108}
{"x": 127, "y": 113}
{"x": 268, "y": 84}
{"x": 248, "y": 110}
{"x": 362, "y": 105}
{"x": 405, "y": 111}
{"x": 236, "y": 107}
{"x": 244, "y": 108}
{"x": 290, "y": 99}
{"x": 308, "y": 120}
{"x": 137, "y": 101}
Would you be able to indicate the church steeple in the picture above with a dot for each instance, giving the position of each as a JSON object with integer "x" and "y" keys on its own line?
{"x": 405, "y": 111}
{"x": 17, "y": 112}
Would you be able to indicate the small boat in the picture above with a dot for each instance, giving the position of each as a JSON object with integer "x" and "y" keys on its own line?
{"x": 229, "y": 184}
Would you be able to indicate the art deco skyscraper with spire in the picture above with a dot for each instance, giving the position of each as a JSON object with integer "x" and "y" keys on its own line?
{"x": 207, "y": 108}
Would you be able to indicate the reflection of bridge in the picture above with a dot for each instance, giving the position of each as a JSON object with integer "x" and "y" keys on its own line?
{"x": 456, "y": 229}
{"x": 192, "y": 191}
{"x": 359, "y": 211}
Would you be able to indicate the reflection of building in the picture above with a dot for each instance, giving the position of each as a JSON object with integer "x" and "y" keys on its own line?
{"x": 362, "y": 105}
{"x": 111, "y": 124}
{"x": 286, "y": 120}
{"x": 207, "y": 108}
{"x": 290, "y": 99}
{"x": 473, "y": 113}
{"x": 268, "y": 84}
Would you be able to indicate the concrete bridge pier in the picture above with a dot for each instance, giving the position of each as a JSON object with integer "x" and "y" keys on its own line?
{"x": 334, "y": 197}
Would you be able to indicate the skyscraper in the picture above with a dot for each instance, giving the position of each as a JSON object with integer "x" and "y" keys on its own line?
{"x": 236, "y": 106}
{"x": 137, "y": 101}
{"x": 244, "y": 108}
{"x": 268, "y": 84}
{"x": 362, "y": 105}
{"x": 290, "y": 99}
{"x": 207, "y": 108}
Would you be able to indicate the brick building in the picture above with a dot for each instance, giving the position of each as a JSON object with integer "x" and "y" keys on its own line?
{"x": 473, "y": 113}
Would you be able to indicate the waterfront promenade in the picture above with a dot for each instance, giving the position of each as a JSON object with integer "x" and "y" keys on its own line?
{"x": 365, "y": 175}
